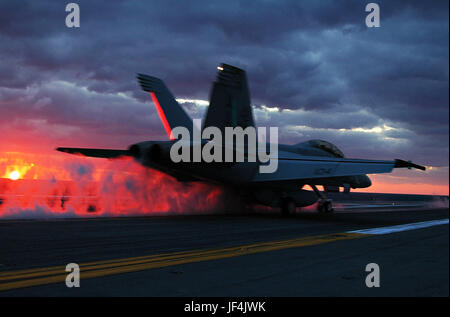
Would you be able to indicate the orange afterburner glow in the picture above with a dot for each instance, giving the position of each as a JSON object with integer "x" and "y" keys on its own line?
{"x": 14, "y": 175}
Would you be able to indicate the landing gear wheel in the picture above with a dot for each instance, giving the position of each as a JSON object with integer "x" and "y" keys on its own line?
{"x": 325, "y": 206}
{"x": 288, "y": 207}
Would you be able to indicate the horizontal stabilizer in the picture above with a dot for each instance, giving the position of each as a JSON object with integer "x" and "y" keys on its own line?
{"x": 103, "y": 153}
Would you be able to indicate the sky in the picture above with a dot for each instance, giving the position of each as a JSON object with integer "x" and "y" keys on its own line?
{"x": 314, "y": 69}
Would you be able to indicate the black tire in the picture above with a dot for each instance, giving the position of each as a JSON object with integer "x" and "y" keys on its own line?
{"x": 329, "y": 207}
{"x": 325, "y": 207}
{"x": 288, "y": 207}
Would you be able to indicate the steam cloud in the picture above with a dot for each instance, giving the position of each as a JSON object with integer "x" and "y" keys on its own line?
{"x": 80, "y": 187}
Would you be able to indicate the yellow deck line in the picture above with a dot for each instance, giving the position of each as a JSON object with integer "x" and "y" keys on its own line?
{"x": 41, "y": 276}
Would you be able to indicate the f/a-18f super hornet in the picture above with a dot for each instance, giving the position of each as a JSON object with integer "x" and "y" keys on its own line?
{"x": 313, "y": 163}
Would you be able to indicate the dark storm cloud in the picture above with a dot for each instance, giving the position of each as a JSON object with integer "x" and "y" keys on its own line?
{"x": 316, "y": 56}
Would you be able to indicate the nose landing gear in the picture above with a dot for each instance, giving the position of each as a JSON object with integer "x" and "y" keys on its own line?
{"x": 325, "y": 205}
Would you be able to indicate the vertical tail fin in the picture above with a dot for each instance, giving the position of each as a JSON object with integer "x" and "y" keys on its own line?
{"x": 230, "y": 100}
{"x": 169, "y": 110}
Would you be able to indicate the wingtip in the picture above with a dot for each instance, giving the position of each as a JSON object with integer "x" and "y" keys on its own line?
{"x": 408, "y": 164}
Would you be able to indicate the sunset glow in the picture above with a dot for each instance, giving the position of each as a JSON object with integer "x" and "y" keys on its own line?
{"x": 315, "y": 72}
{"x": 14, "y": 175}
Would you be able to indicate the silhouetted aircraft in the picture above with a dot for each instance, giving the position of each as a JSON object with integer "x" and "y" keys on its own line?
{"x": 314, "y": 162}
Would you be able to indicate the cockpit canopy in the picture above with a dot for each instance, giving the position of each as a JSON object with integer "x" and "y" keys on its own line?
{"x": 326, "y": 146}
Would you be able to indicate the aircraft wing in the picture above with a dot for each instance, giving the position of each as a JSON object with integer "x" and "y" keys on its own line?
{"x": 307, "y": 167}
{"x": 103, "y": 153}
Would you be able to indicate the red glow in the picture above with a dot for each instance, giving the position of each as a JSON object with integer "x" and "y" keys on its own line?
{"x": 68, "y": 186}
{"x": 162, "y": 116}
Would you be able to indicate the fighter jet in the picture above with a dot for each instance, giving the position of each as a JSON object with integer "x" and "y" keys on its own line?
{"x": 313, "y": 162}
